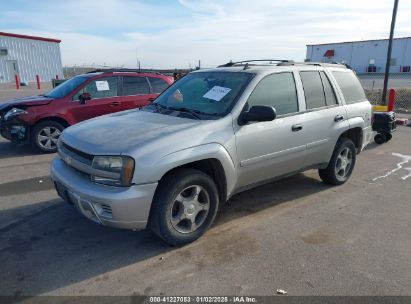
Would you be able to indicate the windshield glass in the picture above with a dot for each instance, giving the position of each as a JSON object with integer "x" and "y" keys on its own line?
{"x": 66, "y": 87}
{"x": 202, "y": 94}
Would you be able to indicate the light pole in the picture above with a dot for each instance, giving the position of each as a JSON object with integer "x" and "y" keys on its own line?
{"x": 388, "y": 64}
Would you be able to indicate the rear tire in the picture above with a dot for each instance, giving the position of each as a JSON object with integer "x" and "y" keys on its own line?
{"x": 342, "y": 163}
{"x": 184, "y": 206}
{"x": 44, "y": 136}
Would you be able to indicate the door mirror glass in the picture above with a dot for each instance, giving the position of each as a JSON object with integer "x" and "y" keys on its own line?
{"x": 258, "y": 114}
{"x": 82, "y": 98}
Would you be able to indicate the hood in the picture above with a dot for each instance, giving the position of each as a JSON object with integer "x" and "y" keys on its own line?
{"x": 124, "y": 131}
{"x": 26, "y": 101}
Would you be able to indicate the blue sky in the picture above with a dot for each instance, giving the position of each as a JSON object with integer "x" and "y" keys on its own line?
{"x": 177, "y": 33}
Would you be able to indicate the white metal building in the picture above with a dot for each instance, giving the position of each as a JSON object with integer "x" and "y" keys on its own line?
{"x": 367, "y": 56}
{"x": 28, "y": 56}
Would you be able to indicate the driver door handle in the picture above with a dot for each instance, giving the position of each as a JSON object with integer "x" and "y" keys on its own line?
{"x": 338, "y": 118}
{"x": 296, "y": 128}
{"x": 114, "y": 104}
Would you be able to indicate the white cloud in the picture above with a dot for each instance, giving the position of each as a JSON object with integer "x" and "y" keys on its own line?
{"x": 213, "y": 31}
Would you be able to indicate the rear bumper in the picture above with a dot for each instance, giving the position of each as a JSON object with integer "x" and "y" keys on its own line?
{"x": 119, "y": 207}
{"x": 367, "y": 135}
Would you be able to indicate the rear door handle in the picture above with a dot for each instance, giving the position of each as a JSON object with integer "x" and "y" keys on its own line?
{"x": 296, "y": 128}
{"x": 114, "y": 104}
{"x": 151, "y": 99}
{"x": 338, "y": 118}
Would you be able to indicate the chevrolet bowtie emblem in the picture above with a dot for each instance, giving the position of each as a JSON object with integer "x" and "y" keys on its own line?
{"x": 67, "y": 159}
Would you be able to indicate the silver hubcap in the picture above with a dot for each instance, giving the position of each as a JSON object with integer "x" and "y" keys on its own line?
{"x": 47, "y": 138}
{"x": 343, "y": 164}
{"x": 190, "y": 208}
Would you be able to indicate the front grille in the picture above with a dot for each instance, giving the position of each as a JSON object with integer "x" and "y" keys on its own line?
{"x": 76, "y": 159}
{"x": 82, "y": 162}
{"x": 78, "y": 152}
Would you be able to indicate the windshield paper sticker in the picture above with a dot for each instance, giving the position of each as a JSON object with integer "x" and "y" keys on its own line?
{"x": 102, "y": 85}
{"x": 217, "y": 93}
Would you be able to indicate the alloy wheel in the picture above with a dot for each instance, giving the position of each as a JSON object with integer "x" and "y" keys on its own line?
{"x": 47, "y": 137}
{"x": 190, "y": 209}
{"x": 343, "y": 163}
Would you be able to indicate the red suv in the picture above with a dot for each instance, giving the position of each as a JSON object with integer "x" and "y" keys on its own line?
{"x": 41, "y": 119}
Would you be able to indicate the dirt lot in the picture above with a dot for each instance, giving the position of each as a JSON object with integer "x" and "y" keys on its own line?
{"x": 297, "y": 234}
{"x": 376, "y": 81}
{"x": 8, "y": 91}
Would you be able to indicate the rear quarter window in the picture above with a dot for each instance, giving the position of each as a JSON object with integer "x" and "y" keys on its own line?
{"x": 350, "y": 86}
{"x": 134, "y": 85}
{"x": 158, "y": 85}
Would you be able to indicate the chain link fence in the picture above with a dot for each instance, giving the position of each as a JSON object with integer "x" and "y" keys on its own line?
{"x": 402, "y": 99}
{"x": 401, "y": 82}
{"x": 76, "y": 70}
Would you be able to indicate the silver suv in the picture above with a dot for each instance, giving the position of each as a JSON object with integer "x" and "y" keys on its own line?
{"x": 209, "y": 136}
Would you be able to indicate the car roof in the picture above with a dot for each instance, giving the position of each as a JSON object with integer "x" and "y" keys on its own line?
{"x": 128, "y": 72}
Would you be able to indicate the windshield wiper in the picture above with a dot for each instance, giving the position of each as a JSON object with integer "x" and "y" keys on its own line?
{"x": 195, "y": 113}
{"x": 158, "y": 106}
{"x": 187, "y": 110}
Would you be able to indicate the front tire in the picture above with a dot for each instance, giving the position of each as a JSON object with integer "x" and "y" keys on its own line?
{"x": 184, "y": 206}
{"x": 45, "y": 135}
{"x": 342, "y": 163}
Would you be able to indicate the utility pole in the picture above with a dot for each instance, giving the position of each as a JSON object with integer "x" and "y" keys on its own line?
{"x": 137, "y": 61}
{"x": 388, "y": 64}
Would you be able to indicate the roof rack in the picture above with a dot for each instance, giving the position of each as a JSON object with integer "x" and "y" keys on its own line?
{"x": 281, "y": 62}
{"x": 246, "y": 62}
{"x": 333, "y": 64}
{"x": 114, "y": 70}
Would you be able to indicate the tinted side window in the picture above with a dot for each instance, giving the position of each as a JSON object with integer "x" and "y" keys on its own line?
{"x": 277, "y": 90}
{"x": 350, "y": 86}
{"x": 135, "y": 85}
{"x": 328, "y": 90}
{"x": 100, "y": 88}
{"x": 313, "y": 90}
{"x": 158, "y": 85}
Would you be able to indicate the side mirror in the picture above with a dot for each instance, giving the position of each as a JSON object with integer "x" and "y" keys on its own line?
{"x": 84, "y": 97}
{"x": 257, "y": 114}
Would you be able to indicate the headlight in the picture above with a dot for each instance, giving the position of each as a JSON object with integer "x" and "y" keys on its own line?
{"x": 14, "y": 112}
{"x": 114, "y": 170}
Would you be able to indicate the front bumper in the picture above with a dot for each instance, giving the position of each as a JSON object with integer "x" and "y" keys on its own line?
{"x": 15, "y": 131}
{"x": 119, "y": 207}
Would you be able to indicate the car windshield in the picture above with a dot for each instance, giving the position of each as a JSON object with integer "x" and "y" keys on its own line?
{"x": 202, "y": 94}
{"x": 66, "y": 87}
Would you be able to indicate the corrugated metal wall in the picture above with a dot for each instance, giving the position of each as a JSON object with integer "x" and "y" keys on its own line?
{"x": 34, "y": 57}
{"x": 358, "y": 54}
